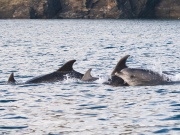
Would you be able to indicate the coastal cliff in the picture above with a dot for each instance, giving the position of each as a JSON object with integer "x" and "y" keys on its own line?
{"x": 68, "y": 9}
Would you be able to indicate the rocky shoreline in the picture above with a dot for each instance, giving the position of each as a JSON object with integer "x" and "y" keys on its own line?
{"x": 90, "y": 9}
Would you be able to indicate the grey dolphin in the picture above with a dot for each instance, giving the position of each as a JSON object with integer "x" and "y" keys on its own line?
{"x": 11, "y": 79}
{"x": 114, "y": 80}
{"x": 142, "y": 77}
{"x": 88, "y": 77}
{"x": 118, "y": 81}
{"x": 59, "y": 75}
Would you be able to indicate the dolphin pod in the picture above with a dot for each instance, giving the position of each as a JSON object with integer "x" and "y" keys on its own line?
{"x": 120, "y": 76}
{"x": 59, "y": 75}
{"x": 67, "y": 71}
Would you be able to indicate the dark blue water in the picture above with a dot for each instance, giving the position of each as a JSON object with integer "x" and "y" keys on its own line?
{"x": 34, "y": 47}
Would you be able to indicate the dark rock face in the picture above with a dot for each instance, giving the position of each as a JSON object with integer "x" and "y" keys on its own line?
{"x": 102, "y": 9}
{"x": 90, "y": 9}
{"x": 14, "y": 9}
{"x": 29, "y": 8}
{"x": 44, "y": 8}
{"x": 168, "y": 9}
{"x": 107, "y": 8}
{"x": 131, "y": 8}
{"x": 73, "y": 9}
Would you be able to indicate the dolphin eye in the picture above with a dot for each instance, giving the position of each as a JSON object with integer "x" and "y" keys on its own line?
{"x": 132, "y": 76}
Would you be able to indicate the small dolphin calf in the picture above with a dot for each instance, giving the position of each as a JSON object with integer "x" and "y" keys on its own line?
{"x": 88, "y": 77}
{"x": 142, "y": 77}
{"x": 59, "y": 75}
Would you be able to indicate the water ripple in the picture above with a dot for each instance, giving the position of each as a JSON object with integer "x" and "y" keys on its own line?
{"x": 175, "y": 105}
{"x": 162, "y": 131}
{"x": 13, "y": 127}
{"x": 6, "y": 101}
{"x": 165, "y": 130}
{"x": 17, "y": 117}
{"x": 176, "y": 117}
{"x": 97, "y": 107}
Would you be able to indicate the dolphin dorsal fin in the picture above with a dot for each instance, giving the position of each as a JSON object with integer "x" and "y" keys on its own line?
{"x": 120, "y": 65}
{"x": 87, "y": 76}
{"x": 11, "y": 78}
{"x": 68, "y": 66}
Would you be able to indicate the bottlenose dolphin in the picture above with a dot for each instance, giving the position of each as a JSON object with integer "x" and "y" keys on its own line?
{"x": 113, "y": 80}
{"x": 62, "y": 73}
{"x": 118, "y": 81}
{"x": 142, "y": 77}
{"x": 11, "y": 79}
{"x": 88, "y": 77}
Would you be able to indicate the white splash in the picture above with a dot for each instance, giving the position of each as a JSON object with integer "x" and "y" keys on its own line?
{"x": 101, "y": 79}
{"x": 157, "y": 67}
{"x": 175, "y": 77}
{"x": 69, "y": 79}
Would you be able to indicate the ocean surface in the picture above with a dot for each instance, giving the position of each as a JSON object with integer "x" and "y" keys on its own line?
{"x": 30, "y": 48}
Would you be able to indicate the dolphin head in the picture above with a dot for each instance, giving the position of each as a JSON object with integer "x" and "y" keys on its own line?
{"x": 140, "y": 77}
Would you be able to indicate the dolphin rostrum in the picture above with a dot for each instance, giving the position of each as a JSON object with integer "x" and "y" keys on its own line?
{"x": 142, "y": 77}
{"x": 62, "y": 73}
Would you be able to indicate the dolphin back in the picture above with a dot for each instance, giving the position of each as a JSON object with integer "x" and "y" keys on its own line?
{"x": 120, "y": 65}
{"x": 117, "y": 81}
{"x": 11, "y": 79}
{"x": 88, "y": 77}
{"x": 68, "y": 66}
